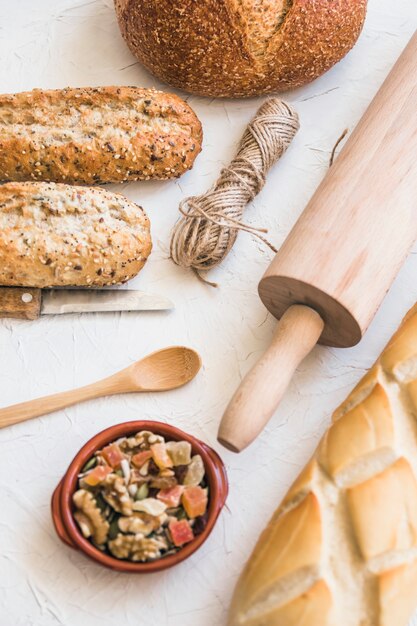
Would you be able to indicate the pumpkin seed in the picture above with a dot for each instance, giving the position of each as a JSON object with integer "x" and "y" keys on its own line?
{"x": 101, "y": 503}
{"x": 114, "y": 528}
{"x": 180, "y": 514}
{"x": 89, "y": 465}
{"x": 142, "y": 492}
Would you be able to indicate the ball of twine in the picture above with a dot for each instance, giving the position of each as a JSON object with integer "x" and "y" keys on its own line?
{"x": 210, "y": 224}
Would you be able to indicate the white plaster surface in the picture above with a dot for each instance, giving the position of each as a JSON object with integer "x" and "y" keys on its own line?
{"x": 55, "y": 43}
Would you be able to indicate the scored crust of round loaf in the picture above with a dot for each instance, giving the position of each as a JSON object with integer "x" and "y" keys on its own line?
{"x": 96, "y": 135}
{"x": 55, "y": 235}
{"x": 238, "y": 48}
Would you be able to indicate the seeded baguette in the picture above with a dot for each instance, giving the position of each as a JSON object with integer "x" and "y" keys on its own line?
{"x": 96, "y": 135}
{"x": 55, "y": 235}
{"x": 341, "y": 550}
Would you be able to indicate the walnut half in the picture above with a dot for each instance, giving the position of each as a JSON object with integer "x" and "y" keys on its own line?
{"x": 116, "y": 494}
{"x": 89, "y": 517}
{"x": 139, "y": 523}
{"x": 137, "y": 547}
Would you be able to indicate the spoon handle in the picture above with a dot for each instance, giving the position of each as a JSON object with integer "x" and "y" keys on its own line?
{"x": 48, "y": 404}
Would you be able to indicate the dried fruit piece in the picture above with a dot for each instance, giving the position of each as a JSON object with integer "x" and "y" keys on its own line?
{"x": 194, "y": 501}
{"x": 97, "y": 475}
{"x": 181, "y": 532}
{"x": 140, "y": 458}
{"x": 144, "y": 470}
{"x": 180, "y": 452}
{"x": 171, "y": 497}
{"x": 150, "y": 505}
{"x": 152, "y": 469}
{"x": 180, "y": 472}
{"x": 161, "y": 456}
{"x": 195, "y": 472}
{"x": 113, "y": 455}
{"x": 200, "y": 523}
{"x": 163, "y": 482}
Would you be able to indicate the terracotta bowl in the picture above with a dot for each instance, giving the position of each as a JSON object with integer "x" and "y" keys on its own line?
{"x": 62, "y": 507}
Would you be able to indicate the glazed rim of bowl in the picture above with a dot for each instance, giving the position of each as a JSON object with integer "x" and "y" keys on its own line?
{"x": 215, "y": 475}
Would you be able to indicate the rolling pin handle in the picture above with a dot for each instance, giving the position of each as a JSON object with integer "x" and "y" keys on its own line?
{"x": 20, "y": 303}
{"x": 262, "y": 389}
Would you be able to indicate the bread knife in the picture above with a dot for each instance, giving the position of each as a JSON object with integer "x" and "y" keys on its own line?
{"x": 29, "y": 303}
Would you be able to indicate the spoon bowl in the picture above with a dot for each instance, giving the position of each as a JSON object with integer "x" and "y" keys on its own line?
{"x": 164, "y": 369}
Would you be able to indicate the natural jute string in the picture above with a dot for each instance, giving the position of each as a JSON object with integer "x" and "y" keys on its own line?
{"x": 336, "y": 145}
{"x": 210, "y": 224}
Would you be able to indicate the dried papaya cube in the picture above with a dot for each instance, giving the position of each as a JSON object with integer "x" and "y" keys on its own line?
{"x": 112, "y": 455}
{"x": 181, "y": 532}
{"x": 194, "y": 501}
{"x": 171, "y": 497}
{"x": 97, "y": 475}
{"x": 160, "y": 455}
{"x": 140, "y": 458}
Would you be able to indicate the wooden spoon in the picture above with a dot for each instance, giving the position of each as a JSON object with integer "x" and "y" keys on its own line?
{"x": 162, "y": 370}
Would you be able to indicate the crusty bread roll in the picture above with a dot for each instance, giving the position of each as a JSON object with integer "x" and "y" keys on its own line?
{"x": 235, "y": 48}
{"x": 96, "y": 135}
{"x": 54, "y": 235}
{"x": 341, "y": 550}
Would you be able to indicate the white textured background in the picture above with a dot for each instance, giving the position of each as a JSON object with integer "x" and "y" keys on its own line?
{"x": 55, "y": 43}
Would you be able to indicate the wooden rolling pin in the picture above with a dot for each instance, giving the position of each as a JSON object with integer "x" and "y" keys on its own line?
{"x": 330, "y": 276}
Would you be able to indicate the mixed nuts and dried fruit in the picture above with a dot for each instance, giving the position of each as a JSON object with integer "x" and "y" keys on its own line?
{"x": 141, "y": 498}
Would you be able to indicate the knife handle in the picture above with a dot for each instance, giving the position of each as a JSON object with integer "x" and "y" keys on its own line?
{"x": 20, "y": 303}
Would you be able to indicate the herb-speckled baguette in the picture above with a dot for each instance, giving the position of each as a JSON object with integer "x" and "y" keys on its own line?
{"x": 96, "y": 135}
{"x": 341, "y": 550}
{"x": 54, "y": 235}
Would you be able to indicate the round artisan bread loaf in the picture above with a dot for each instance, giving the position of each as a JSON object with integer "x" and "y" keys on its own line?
{"x": 56, "y": 235}
{"x": 237, "y": 48}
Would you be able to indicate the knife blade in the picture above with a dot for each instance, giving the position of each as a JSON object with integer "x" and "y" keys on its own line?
{"x": 59, "y": 301}
{"x": 22, "y": 303}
